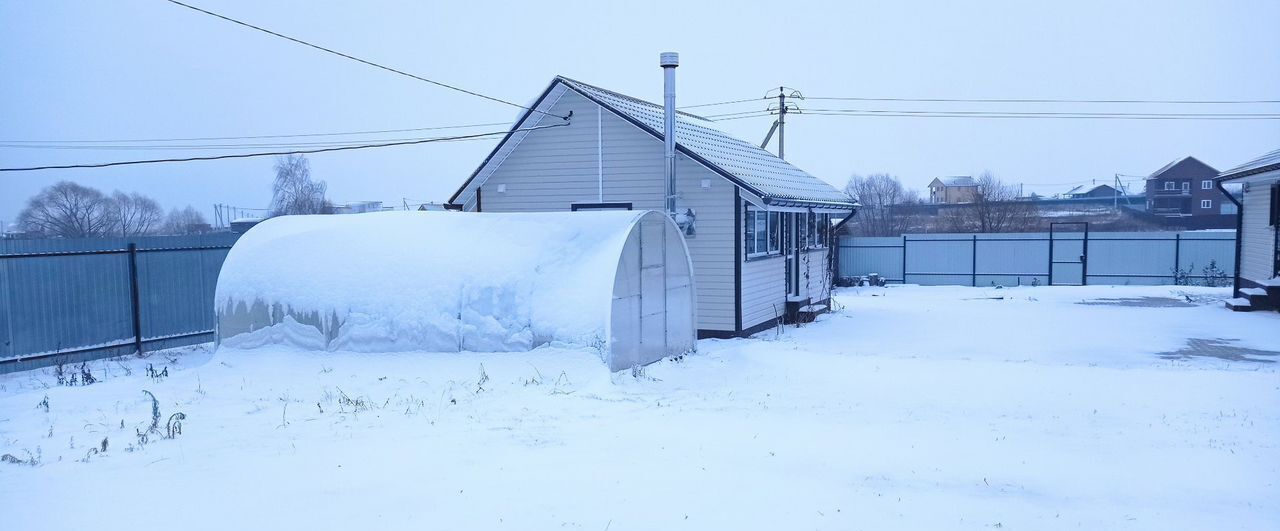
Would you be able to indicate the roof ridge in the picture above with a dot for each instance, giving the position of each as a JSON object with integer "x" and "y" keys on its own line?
{"x": 626, "y": 97}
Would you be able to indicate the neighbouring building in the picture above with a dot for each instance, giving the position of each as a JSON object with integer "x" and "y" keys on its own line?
{"x": 1257, "y": 281}
{"x": 757, "y": 227}
{"x": 960, "y": 189}
{"x": 356, "y": 207}
{"x": 1097, "y": 190}
{"x": 1185, "y": 188}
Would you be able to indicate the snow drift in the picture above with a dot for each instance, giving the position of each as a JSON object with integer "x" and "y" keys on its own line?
{"x": 619, "y": 282}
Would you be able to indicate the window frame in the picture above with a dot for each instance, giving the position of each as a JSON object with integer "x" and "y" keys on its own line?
{"x": 1206, "y": 184}
{"x": 1186, "y": 186}
{"x": 1170, "y": 185}
{"x": 753, "y": 236}
{"x": 1206, "y": 203}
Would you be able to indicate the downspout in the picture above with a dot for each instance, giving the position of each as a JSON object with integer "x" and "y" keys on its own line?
{"x": 669, "y": 61}
{"x": 1235, "y": 281}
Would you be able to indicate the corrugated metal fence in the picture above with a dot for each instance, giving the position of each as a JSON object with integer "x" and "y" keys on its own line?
{"x": 1060, "y": 258}
{"x": 65, "y": 301}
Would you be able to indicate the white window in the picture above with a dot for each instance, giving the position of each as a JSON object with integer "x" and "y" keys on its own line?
{"x": 761, "y": 233}
{"x": 1170, "y": 185}
{"x": 1186, "y": 186}
{"x": 1206, "y": 203}
{"x": 1206, "y": 185}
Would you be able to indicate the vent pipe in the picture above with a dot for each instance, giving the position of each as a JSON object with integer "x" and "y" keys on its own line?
{"x": 669, "y": 62}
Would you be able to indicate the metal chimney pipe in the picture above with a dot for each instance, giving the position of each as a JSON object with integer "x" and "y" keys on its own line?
{"x": 669, "y": 62}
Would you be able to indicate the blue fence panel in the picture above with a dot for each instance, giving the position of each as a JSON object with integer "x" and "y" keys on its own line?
{"x": 72, "y": 307}
{"x": 1024, "y": 258}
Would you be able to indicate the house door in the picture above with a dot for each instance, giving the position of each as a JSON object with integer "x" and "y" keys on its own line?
{"x": 1068, "y": 253}
{"x": 790, "y": 244}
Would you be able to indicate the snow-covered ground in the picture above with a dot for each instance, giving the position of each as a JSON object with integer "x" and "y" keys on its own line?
{"x": 910, "y": 408}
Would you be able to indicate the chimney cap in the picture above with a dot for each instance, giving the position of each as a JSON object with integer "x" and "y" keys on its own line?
{"x": 669, "y": 59}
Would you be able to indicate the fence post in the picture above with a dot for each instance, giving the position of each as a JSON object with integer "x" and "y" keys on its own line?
{"x": 133, "y": 295}
{"x": 904, "y": 258}
{"x": 973, "y": 268}
{"x": 1177, "y": 255}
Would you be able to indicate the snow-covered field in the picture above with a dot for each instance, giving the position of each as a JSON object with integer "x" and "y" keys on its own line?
{"x": 910, "y": 408}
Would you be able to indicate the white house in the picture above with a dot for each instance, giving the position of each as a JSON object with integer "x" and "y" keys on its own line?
{"x": 757, "y": 228}
{"x": 1258, "y": 235}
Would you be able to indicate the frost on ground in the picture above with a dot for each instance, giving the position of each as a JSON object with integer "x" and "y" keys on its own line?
{"x": 910, "y": 408}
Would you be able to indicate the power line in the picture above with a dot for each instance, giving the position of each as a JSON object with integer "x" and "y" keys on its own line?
{"x": 254, "y": 137}
{"x": 223, "y": 146}
{"x": 1046, "y": 100}
{"x": 359, "y": 60}
{"x": 720, "y": 103}
{"x": 1000, "y": 115}
{"x": 276, "y": 153}
{"x": 1054, "y": 113}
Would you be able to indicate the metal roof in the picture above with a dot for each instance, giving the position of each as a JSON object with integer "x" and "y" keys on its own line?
{"x": 960, "y": 181}
{"x": 1263, "y": 164}
{"x": 758, "y": 171}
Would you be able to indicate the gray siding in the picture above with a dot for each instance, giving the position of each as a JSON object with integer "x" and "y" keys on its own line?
{"x": 814, "y": 285}
{"x": 553, "y": 168}
{"x": 764, "y": 290}
{"x": 1257, "y": 244}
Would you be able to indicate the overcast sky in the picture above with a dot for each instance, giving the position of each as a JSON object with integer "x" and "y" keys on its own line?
{"x": 80, "y": 70}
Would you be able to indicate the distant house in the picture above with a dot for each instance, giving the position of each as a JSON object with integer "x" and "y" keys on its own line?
{"x": 1257, "y": 280}
{"x": 356, "y": 207}
{"x": 960, "y": 189}
{"x": 1098, "y": 190}
{"x": 1184, "y": 188}
{"x": 757, "y": 228}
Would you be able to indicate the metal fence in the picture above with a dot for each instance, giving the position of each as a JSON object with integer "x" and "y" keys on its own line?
{"x": 66, "y": 301}
{"x": 1044, "y": 258}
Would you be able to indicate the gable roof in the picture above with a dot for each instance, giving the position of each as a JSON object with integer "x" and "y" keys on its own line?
{"x": 1263, "y": 164}
{"x": 1084, "y": 189}
{"x": 956, "y": 181}
{"x": 756, "y": 171}
{"x": 1187, "y": 163}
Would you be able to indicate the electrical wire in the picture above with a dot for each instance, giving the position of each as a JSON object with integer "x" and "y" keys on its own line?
{"x": 359, "y": 60}
{"x": 274, "y": 145}
{"x": 721, "y": 103}
{"x": 1005, "y": 115}
{"x": 1020, "y": 100}
{"x": 254, "y": 137}
{"x": 277, "y": 153}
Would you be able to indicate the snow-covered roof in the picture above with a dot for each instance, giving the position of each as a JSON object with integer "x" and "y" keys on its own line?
{"x": 756, "y": 171}
{"x": 960, "y": 180}
{"x": 1177, "y": 163}
{"x": 1086, "y": 189}
{"x": 1263, "y": 164}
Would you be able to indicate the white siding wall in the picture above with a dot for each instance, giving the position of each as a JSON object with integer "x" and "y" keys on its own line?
{"x": 815, "y": 285}
{"x": 764, "y": 290}
{"x": 1257, "y": 244}
{"x": 553, "y": 168}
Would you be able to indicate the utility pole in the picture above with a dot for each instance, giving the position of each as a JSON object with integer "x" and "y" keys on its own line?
{"x": 782, "y": 108}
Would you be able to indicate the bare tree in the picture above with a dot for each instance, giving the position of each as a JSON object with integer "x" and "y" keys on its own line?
{"x": 996, "y": 208}
{"x": 132, "y": 214}
{"x": 66, "y": 210}
{"x": 881, "y": 196}
{"x": 293, "y": 191}
{"x": 185, "y": 221}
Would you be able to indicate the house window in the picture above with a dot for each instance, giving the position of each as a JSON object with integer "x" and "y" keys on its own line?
{"x": 761, "y": 233}
{"x": 1275, "y": 206}
{"x": 1206, "y": 185}
{"x": 775, "y": 232}
{"x": 1170, "y": 185}
{"x": 1186, "y": 186}
{"x": 1206, "y": 203}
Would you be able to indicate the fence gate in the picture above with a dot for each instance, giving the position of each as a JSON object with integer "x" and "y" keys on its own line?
{"x": 1068, "y": 253}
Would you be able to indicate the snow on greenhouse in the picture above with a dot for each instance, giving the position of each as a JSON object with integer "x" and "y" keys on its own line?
{"x": 616, "y": 281}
